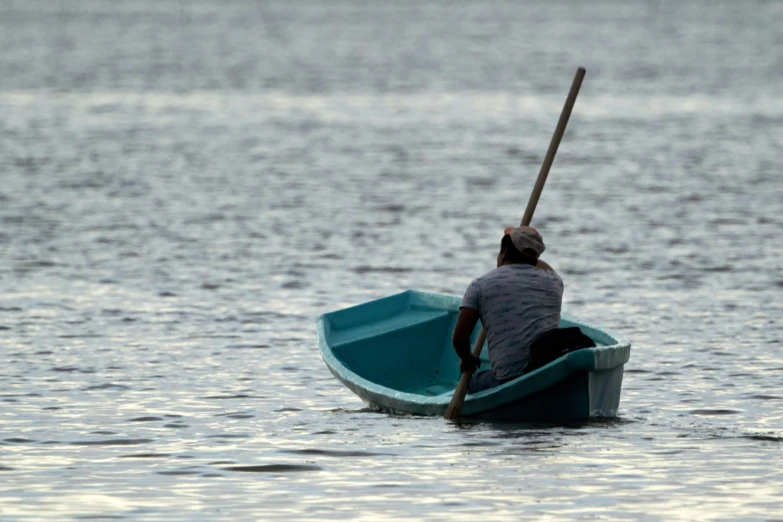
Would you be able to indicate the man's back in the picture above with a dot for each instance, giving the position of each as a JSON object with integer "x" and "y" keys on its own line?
{"x": 516, "y": 303}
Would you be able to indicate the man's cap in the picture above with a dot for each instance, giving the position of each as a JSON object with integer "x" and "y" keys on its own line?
{"x": 526, "y": 237}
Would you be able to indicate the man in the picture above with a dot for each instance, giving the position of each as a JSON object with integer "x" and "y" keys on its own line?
{"x": 516, "y": 302}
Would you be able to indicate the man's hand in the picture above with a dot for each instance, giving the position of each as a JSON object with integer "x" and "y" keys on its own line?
{"x": 469, "y": 363}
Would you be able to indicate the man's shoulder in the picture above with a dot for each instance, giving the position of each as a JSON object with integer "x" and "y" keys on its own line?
{"x": 517, "y": 272}
{"x": 493, "y": 274}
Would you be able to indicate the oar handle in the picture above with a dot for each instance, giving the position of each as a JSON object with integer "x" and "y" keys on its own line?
{"x": 454, "y": 411}
{"x": 553, "y": 145}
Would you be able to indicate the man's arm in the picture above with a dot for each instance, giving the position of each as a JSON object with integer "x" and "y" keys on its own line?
{"x": 544, "y": 266}
{"x": 466, "y": 322}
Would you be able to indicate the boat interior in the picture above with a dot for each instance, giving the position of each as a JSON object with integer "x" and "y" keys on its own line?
{"x": 402, "y": 342}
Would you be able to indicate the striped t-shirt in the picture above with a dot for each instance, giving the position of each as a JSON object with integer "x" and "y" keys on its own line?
{"x": 516, "y": 303}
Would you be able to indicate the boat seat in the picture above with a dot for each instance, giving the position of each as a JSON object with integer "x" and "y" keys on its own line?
{"x": 342, "y": 336}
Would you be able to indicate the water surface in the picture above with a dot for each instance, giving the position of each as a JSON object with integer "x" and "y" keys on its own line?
{"x": 186, "y": 186}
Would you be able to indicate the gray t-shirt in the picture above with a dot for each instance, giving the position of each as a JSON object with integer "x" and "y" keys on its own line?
{"x": 516, "y": 303}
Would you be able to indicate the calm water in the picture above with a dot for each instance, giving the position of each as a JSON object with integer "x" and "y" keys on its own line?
{"x": 185, "y": 186}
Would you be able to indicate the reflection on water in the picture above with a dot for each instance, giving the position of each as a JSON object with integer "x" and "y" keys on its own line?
{"x": 186, "y": 187}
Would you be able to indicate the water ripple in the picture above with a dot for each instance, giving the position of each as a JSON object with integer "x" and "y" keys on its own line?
{"x": 274, "y": 468}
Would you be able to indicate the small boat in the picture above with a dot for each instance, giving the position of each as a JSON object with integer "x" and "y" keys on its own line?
{"x": 395, "y": 353}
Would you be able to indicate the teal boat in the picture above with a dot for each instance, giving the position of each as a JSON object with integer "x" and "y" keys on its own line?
{"x": 395, "y": 353}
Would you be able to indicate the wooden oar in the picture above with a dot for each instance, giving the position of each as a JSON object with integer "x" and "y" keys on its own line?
{"x": 454, "y": 410}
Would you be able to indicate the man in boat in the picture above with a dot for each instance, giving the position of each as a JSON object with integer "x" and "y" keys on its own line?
{"x": 516, "y": 302}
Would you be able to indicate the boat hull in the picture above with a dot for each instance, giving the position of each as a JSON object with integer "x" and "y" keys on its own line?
{"x": 395, "y": 354}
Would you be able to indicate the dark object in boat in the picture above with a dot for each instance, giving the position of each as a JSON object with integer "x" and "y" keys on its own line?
{"x": 556, "y": 343}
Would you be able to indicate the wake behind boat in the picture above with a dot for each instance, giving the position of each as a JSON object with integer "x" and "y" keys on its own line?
{"x": 395, "y": 353}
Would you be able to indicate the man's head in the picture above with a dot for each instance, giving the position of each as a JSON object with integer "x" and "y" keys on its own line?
{"x": 520, "y": 245}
